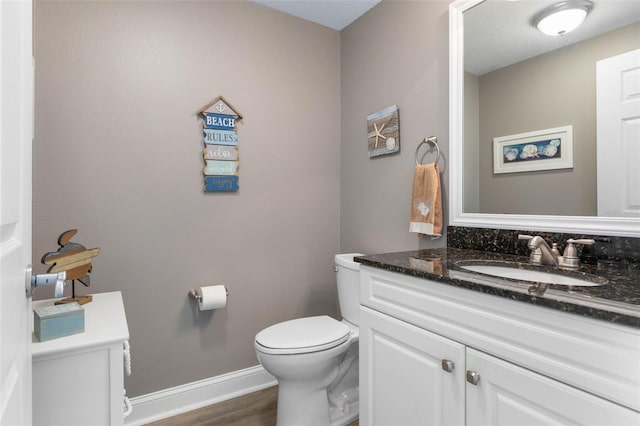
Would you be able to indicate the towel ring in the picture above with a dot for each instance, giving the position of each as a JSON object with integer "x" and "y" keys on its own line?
{"x": 433, "y": 140}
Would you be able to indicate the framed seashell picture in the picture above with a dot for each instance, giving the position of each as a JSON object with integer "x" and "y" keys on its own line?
{"x": 548, "y": 149}
{"x": 383, "y": 131}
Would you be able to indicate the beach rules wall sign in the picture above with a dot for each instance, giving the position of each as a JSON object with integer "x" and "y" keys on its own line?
{"x": 220, "y": 153}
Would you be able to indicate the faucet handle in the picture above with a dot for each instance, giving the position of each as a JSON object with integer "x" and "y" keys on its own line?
{"x": 535, "y": 256}
{"x": 584, "y": 241}
{"x": 570, "y": 251}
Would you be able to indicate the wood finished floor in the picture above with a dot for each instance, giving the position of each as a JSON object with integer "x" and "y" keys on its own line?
{"x": 254, "y": 409}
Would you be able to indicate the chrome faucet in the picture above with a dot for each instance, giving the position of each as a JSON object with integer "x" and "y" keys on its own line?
{"x": 542, "y": 254}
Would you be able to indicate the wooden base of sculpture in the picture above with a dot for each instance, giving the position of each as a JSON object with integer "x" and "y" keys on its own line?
{"x": 82, "y": 300}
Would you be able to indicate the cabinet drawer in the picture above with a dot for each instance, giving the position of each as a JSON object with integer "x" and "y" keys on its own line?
{"x": 599, "y": 357}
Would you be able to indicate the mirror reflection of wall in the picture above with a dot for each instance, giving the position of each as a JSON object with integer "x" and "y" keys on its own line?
{"x": 550, "y": 90}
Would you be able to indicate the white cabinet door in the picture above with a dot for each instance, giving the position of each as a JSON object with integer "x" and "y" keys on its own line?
{"x": 510, "y": 395}
{"x": 402, "y": 380}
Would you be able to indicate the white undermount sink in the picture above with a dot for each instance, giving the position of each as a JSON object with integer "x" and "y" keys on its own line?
{"x": 513, "y": 271}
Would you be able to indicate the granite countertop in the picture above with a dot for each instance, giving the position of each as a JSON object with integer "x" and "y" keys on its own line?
{"x": 618, "y": 301}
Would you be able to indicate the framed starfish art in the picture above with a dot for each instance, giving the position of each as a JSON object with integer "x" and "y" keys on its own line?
{"x": 383, "y": 128}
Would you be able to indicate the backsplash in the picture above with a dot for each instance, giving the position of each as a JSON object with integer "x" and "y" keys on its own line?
{"x": 606, "y": 249}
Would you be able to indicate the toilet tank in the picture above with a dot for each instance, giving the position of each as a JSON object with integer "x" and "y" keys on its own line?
{"x": 348, "y": 281}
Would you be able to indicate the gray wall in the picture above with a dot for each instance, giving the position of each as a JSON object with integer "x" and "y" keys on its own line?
{"x": 118, "y": 155}
{"x": 551, "y": 90}
{"x": 395, "y": 54}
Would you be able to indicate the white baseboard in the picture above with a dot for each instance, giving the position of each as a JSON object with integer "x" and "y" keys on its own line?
{"x": 180, "y": 399}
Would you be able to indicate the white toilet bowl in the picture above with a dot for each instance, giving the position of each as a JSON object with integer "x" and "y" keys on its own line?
{"x": 315, "y": 360}
{"x": 305, "y": 373}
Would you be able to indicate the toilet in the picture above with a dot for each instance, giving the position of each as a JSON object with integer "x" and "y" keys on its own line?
{"x": 315, "y": 359}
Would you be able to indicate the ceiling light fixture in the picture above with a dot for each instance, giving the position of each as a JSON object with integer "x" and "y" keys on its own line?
{"x": 560, "y": 18}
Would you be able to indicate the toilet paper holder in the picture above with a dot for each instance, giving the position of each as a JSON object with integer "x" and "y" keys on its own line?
{"x": 193, "y": 294}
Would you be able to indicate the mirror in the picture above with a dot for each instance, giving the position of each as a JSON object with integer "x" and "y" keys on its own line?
{"x": 490, "y": 104}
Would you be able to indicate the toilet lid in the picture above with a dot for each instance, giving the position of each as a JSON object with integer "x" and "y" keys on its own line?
{"x": 303, "y": 335}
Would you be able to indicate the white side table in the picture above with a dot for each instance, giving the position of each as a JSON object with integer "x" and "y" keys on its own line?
{"x": 79, "y": 379}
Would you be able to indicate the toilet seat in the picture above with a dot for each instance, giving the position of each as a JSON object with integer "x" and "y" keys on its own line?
{"x": 303, "y": 335}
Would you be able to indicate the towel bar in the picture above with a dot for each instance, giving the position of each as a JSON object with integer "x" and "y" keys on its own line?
{"x": 433, "y": 140}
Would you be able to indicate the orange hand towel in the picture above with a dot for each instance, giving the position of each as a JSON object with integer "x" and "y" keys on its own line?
{"x": 426, "y": 201}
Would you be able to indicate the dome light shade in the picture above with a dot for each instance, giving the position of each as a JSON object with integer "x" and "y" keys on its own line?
{"x": 562, "y": 17}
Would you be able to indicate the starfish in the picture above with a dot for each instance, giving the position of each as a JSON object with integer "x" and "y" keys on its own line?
{"x": 378, "y": 133}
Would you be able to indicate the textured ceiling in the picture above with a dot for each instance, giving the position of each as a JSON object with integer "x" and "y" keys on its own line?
{"x": 335, "y": 14}
{"x": 500, "y": 33}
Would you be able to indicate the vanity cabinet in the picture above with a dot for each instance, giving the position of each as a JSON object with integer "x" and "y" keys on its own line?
{"x": 79, "y": 379}
{"x": 402, "y": 379}
{"x": 434, "y": 354}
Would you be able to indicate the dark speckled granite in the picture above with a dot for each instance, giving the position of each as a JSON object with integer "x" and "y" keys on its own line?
{"x": 618, "y": 301}
{"x": 606, "y": 250}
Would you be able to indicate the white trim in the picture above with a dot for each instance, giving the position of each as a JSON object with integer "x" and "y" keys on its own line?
{"x": 620, "y": 227}
{"x": 191, "y": 396}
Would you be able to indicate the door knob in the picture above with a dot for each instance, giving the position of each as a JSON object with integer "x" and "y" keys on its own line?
{"x": 473, "y": 377}
{"x": 32, "y": 281}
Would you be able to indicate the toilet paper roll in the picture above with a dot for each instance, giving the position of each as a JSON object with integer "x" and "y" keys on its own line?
{"x": 212, "y": 297}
